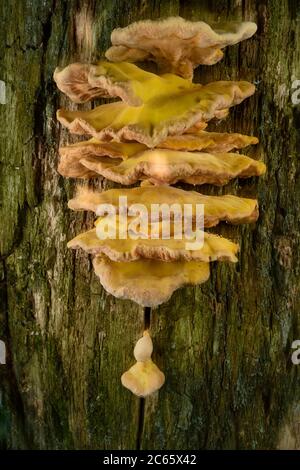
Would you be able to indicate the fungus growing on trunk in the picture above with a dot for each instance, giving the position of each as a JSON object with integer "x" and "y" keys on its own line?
{"x": 148, "y": 282}
{"x": 209, "y": 141}
{"x": 71, "y": 156}
{"x": 90, "y": 158}
{"x": 132, "y": 84}
{"x": 175, "y": 44}
{"x": 214, "y": 248}
{"x": 144, "y": 378}
{"x": 168, "y": 114}
{"x": 159, "y": 117}
{"x": 76, "y": 159}
{"x": 228, "y": 208}
{"x": 170, "y": 166}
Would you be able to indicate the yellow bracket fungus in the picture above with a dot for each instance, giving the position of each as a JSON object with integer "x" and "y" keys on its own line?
{"x": 227, "y": 208}
{"x": 70, "y": 164}
{"x": 148, "y": 282}
{"x": 159, "y": 117}
{"x": 144, "y": 378}
{"x": 168, "y": 114}
{"x": 175, "y": 44}
{"x": 170, "y": 166}
{"x": 132, "y": 84}
{"x": 214, "y": 248}
{"x": 209, "y": 141}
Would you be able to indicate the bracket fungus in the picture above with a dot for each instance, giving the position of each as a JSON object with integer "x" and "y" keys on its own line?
{"x": 175, "y": 44}
{"x": 158, "y": 118}
{"x": 209, "y": 141}
{"x": 155, "y": 134}
{"x": 76, "y": 159}
{"x": 170, "y": 166}
{"x": 72, "y": 156}
{"x": 214, "y": 248}
{"x": 148, "y": 282}
{"x": 144, "y": 378}
{"x": 135, "y": 86}
{"x": 227, "y": 208}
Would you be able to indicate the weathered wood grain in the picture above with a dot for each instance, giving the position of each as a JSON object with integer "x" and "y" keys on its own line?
{"x": 225, "y": 347}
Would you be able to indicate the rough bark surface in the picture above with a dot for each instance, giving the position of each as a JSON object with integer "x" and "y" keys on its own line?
{"x": 225, "y": 347}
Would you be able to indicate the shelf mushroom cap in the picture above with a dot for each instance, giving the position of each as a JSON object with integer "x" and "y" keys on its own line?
{"x": 228, "y": 208}
{"x": 144, "y": 377}
{"x": 159, "y": 117}
{"x": 149, "y": 283}
{"x": 135, "y": 86}
{"x": 175, "y": 44}
{"x": 163, "y": 166}
{"x": 215, "y": 248}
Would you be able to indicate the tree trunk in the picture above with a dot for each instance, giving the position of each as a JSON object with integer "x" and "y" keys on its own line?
{"x": 225, "y": 347}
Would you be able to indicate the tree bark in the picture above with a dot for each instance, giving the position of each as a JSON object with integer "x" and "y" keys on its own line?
{"x": 225, "y": 347}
